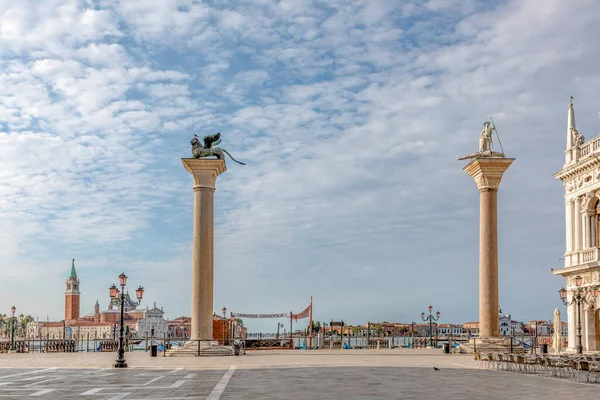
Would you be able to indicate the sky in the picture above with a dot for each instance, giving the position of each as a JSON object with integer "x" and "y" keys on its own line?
{"x": 350, "y": 116}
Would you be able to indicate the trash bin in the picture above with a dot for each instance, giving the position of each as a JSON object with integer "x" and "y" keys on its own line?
{"x": 153, "y": 350}
{"x": 446, "y": 348}
{"x": 544, "y": 347}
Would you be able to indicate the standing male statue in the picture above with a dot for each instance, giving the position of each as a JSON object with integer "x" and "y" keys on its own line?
{"x": 485, "y": 143}
{"x": 485, "y": 137}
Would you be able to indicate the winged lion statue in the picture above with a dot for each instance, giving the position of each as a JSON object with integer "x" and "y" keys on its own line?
{"x": 207, "y": 149}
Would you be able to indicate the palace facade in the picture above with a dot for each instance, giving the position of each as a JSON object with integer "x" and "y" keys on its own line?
{"x": 580, "y": 176}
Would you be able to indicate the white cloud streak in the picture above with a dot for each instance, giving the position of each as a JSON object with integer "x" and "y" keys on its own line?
{"x": 350, "y": 116}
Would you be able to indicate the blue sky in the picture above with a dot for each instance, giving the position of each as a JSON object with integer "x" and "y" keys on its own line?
{"x": 350, "y": 116}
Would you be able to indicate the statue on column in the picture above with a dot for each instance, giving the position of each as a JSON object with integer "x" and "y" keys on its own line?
{"x": 207, "y": 150}
{"x": 485, "y": 138}
{"x": 485, "y": 143}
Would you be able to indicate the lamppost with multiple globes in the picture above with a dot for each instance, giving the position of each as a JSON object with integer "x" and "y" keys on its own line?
{"x": 579, "y": 297}
{"x": 12, "y": 328}
{"x": 279, "y": 324}
{"x": 224, "y": 310}
{"x": 431, "y": 319}
{"x": 114, "y": 294}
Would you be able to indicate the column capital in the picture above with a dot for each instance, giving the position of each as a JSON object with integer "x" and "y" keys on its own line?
{"x": 204, "y": 171}
{"x": 488, "y": 171}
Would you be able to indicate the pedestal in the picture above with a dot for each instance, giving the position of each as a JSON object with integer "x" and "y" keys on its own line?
{"x": 487, "y": 172}
{"x": 204, "y": 172}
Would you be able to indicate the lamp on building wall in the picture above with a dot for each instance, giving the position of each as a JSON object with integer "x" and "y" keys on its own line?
{"x": 578, "y": 297}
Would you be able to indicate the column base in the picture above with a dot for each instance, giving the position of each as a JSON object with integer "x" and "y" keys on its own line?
{"x": 202, "y": 348}
{"x": 492, "y": 345}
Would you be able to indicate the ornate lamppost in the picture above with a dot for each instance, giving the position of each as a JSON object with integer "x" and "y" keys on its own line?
{"x": 12, "y": 330}
{"x": 224, "y": 310}
{"x": 114, "y": 294}
{"x": 579, "y": 297}
{"x": 279, "y": 325}
{"x": 431, "y": 319}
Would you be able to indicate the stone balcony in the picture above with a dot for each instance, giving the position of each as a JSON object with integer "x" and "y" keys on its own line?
{"x": 590, "y": 148}
{"x": 587, "y": 257}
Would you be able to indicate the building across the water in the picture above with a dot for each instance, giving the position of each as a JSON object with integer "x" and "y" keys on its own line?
{"x": 101, "y": 324}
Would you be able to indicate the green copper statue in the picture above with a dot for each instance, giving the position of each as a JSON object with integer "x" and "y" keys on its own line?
{"x": 200, "y": 151}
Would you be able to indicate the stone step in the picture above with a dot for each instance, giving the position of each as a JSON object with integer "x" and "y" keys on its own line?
{"x": 204, "y": 351}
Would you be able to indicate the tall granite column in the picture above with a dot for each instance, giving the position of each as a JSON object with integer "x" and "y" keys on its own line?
{"x": 204, "y": 172}
{"x": 487, "y": 172}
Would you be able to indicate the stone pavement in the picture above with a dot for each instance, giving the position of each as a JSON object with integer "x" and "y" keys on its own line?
{"x": 358, "y": 374}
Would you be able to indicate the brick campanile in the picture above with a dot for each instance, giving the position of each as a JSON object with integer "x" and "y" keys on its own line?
{"x": 72, "y": 295}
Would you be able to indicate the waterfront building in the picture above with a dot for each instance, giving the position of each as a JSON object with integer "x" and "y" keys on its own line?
{"x": 99, "y": 324}
{"x": 180, "y": 327}
{"x": 580, "y": 176}
{"x": 447, "y": 330}
{"x": 152, "y": 324}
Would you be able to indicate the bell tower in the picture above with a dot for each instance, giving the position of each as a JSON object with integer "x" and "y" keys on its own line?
{"x": 72, "y": 295}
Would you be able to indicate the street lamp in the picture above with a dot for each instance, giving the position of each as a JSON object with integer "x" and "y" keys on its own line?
{"x": 279, "y": 324}
{"x": 224, "y": 310}
{"x": 578, "y": 297}
{"x": 431, "y": 319}
{"x": 12, "y": 331}
{"x": 114, "y": 294}
{"x": 139, "y": 294}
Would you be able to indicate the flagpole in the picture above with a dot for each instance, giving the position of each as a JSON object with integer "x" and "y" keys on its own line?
{"x": 310, "y": 326}
{"x": 291, "y": 333}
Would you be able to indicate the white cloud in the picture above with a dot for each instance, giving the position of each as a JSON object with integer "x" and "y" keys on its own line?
{"x": 350, "y": 117}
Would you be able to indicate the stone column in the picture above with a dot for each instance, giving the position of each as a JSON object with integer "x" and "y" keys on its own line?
{"x": 487, "y": 172}
{"x": 204, "y": 172}
{"x": 586, "y": 230}
{"x": 569, "y": 225}
{"x": 577, "y": 217}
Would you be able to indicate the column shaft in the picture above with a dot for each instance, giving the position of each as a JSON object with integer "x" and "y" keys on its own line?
{"x": 488, "y": 264}
{"x": 205, "y": 173}
{"x": 577, "y": 218}
{"x": 569, "y": 227}
{"x": 586, "y": 230}
{"x": 203, "y": 264}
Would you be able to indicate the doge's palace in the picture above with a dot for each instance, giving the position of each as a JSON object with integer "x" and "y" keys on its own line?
{"x": 581, "y": 178}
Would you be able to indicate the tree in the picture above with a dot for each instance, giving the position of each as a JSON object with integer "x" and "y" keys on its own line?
{"x": 239, "y": 321}
{"x": 26, "y": 320}
{"x": 316, "y": 327}
{"x": 379, "y": 329}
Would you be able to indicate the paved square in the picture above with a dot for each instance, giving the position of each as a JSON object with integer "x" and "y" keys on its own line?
{"x": 275, "y": 375}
